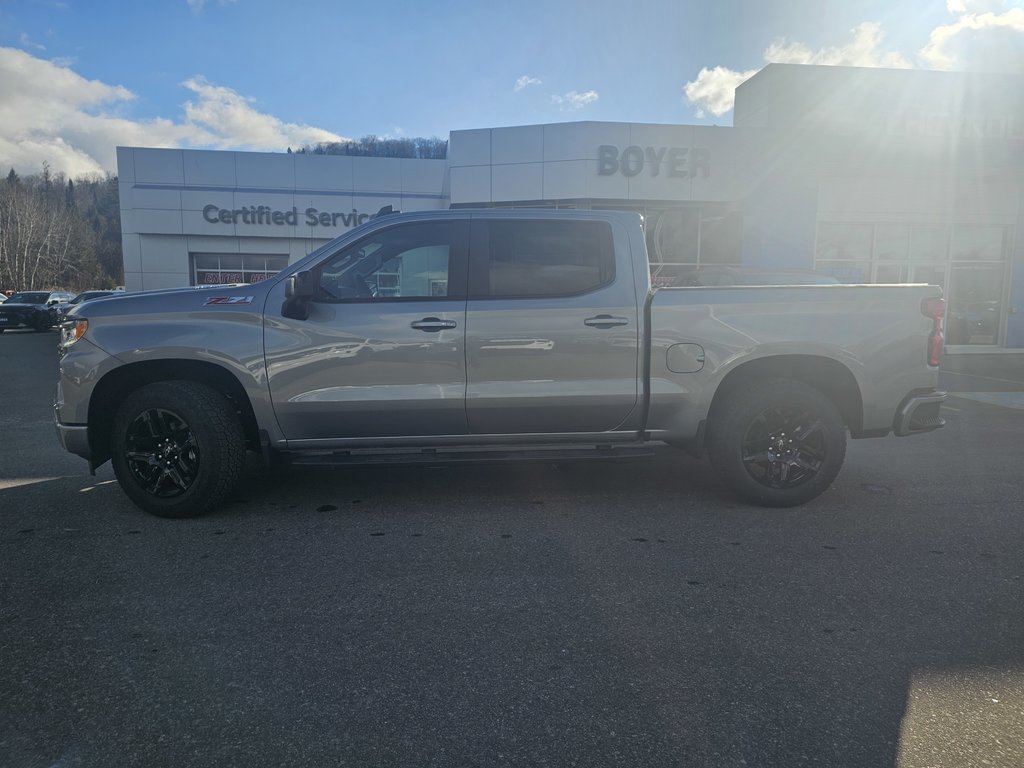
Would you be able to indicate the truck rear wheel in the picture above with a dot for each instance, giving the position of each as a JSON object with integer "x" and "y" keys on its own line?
{"x": 178, "y": 448}
{"x": 778, "y": 443}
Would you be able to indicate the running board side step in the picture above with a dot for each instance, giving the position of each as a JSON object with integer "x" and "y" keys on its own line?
{"x": 474, "y": 455}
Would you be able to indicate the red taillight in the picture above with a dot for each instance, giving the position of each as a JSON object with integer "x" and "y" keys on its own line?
{"x": 935, "y": 308}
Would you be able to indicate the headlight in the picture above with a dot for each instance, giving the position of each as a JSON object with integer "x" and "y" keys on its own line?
{"x": 72, "y": 331}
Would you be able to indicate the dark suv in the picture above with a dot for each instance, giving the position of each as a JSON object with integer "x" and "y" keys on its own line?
{"x": 32, "y": 309}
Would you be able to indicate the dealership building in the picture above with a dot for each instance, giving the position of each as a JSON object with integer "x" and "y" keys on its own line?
{"x": 869, "y": 175}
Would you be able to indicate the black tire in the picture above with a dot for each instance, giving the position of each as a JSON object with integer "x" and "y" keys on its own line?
{"x": 42, "y": 322}
{"x": 777, "y": 443}
{"x": 178, "y": 448}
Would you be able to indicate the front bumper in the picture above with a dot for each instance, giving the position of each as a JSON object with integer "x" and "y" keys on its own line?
{"x": 74, "y": 438}
{"x": 16, "y": 320}
{"x": 918, "y": 413}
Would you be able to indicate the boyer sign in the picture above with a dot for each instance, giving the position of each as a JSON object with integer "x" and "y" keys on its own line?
{"x": 674, "y": 162}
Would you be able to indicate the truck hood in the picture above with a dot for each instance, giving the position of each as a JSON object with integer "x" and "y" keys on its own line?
{"x": 174, "y": 300}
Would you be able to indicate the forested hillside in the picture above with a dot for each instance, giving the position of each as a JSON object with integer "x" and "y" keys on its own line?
{"x": 56, "y": 232}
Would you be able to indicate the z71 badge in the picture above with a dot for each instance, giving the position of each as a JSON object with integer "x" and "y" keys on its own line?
{"x": 229, "y": 300}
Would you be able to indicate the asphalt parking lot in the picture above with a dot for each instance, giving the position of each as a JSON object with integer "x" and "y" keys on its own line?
{"x": 627, "y": 614}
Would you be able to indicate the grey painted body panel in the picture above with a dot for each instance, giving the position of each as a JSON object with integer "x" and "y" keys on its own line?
{"x": 534, "y": 365}
{"x": 876, "y": 332}
{"x": 173, "y": 325}
{"x": 360, "y": 370}
{"x": 356, "y": 374}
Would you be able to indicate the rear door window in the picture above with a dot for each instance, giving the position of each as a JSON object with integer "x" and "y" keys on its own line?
{"x": 521, "y": 258}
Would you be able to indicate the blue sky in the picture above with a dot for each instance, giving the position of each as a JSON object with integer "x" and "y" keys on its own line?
{"x": 78, "y": 77}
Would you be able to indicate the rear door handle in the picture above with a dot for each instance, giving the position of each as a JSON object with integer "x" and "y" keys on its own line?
{"x": 433, "y": 324}
{"x": 605, "y": 321}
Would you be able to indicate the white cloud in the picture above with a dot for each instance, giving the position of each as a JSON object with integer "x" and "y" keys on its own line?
{"x": 230, "y": 117}
{"x": 575, "y": 100}
{"x": 50, "y": 113}
{"x": 980, "y": 39}
{"x": 986, "y": 35}
{"x": 524, "y": 82}
{"x": 713, "y": 91}
{"x": 956, "y": 7}
{"x": 863, "y": 50}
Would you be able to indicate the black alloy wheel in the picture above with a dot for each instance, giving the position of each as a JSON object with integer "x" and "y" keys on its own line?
{"x": 776, "y": 443}
{"x": 784, "y": 447}
{"x": 161, "y": 453}
{"x": 177, "y": 447}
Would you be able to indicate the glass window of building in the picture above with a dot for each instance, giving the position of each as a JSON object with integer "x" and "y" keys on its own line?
{"x": 967, "y": 260}
{"x": 225, "y": 268}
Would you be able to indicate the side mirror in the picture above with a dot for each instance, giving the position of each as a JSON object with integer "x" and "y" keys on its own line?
{"x": 300, "y": 286}
{"x": 299, "y": 289}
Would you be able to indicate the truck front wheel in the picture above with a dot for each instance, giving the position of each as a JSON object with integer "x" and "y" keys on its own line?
{"x": 178, "y": 448}
{"x": 777, "y": 443}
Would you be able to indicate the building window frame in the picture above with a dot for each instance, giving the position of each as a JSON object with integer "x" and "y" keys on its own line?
{"x": 878, "y": 268}
{"x": 206, "y": 268}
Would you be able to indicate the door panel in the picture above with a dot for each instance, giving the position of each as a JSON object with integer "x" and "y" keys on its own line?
{"x": 382, "y": 352}
{"x": 550, "y": 363}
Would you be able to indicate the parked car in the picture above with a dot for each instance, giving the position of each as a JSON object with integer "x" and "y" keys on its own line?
{"x": 33, "y": 309}
{"x": 85, "y": 296}
{"x": 511, "y": 334}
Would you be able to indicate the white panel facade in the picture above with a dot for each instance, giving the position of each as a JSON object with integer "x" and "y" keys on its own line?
{"x": 264, "y": 170}
{"x": 154, "y": 281}
{"x": 159, "y": 199}
{"x": 323, "y": 172}
{"x": 148, "y": 220}
{"x": 423, "y": 176}
{"x": 564, "y": 179}
{"x": 522, "y": 181}
{"x": 160, "y": 254}
{"x": 126, "y": 165}
{"x": 469, "y": 147}
{"x": 523, "y": 144}
{"x": 209, "y": 168}
{"x": 471, "y": 184}
{"x": 158, "y": 166}
{"x": 204, "y": 244}
{"x": 131, "y": 249}
{"x": 376, "y": 174}
{"x": 267, "y": 245}
{"x": 579, "y": 141}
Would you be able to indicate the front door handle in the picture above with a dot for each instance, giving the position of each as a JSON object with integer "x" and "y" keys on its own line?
{"x": 433, "y": 324}
{"x": 605, "y": 321}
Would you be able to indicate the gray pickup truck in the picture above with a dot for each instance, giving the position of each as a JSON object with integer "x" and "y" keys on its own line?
{"x": 491, "y": 334}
